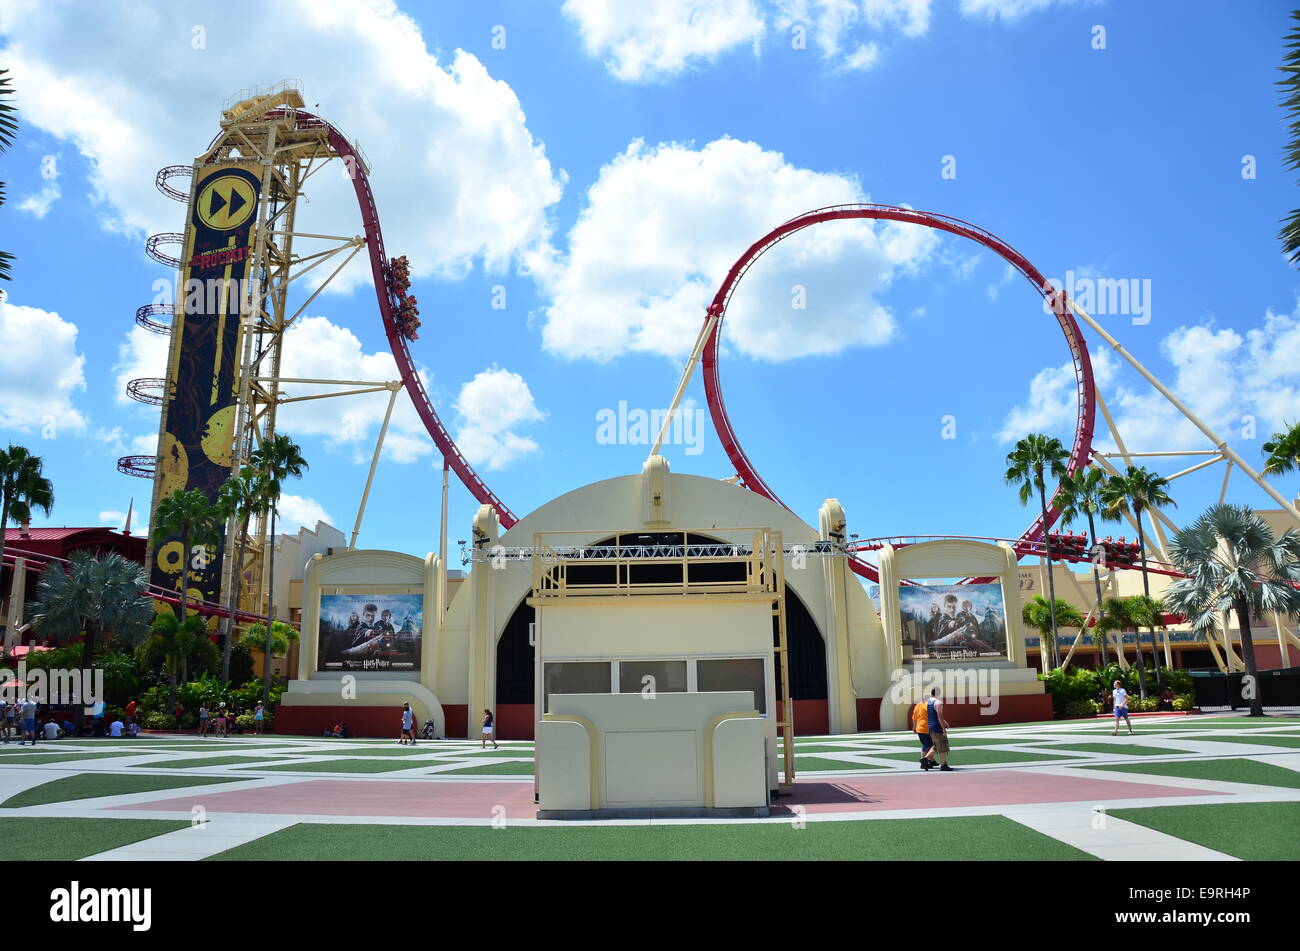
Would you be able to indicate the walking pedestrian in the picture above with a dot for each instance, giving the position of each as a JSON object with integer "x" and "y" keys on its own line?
{"x": 938, "y": 726}
{"x": 408, "y": 725}
{"x": 921, "y": 726}
{"x": 489, "y": 729}
{"x": 29, "y": 721}
{"x": 203, "y": 718}
{"x": 1121, "y": 709}
{"x": 258, "y": 718}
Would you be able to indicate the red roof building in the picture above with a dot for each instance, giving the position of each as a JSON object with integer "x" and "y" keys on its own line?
{"x": 36, "y": 546}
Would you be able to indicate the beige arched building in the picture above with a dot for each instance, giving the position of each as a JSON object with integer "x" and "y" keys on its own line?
{"x": 847, "y": 671}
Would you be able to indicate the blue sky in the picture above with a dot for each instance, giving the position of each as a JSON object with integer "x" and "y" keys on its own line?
{"x": 608, "y": 164}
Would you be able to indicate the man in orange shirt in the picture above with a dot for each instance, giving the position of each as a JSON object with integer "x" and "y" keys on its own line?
{"x": 921, "y": 725}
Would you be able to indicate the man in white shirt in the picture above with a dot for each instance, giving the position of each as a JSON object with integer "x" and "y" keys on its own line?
{"x": 115, "y": 730}
{"x": 1121, "y": 708}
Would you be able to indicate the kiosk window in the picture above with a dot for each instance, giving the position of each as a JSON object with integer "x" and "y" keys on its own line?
{"x": 739, "y": 674}
{"x": 669, "y": 676}
{"x": 576, "y": 677}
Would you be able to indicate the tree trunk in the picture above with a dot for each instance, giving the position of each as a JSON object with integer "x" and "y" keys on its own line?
{"x": 185, "y": 587}
{"x": 1146, "y": 589}
{"x": 1051, "y": 581}
{"x": 1248, "y": 655}
{"x": 87, "y": 647}
{"x": 234, "y": 600}
{"x": 270, "y": 610}
{"x": 1096, "y": 583}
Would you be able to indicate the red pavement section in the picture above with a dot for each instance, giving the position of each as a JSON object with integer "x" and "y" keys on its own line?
{"x": 350, "y": 797}
{"x": 937, "y": 790}
{"x": 435, "y": 799}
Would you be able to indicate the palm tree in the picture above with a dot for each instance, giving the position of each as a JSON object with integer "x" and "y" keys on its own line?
{"x": 1119, "y": 619}
{"x": 1148, "y": 612}
{"x": 1290, "y": 233}
{"x": 1034, "y": 457}
{"x": 240, "y": 498}
{"x": 1081, "y": 494}
{"x": 176, "y": 642}
{"x": 277, "y": 459}
{"x": 96, "y": 595}
{"x": 8, "y": 130}
{"x": 1283, "y": 451}
{"x": 189, "y": 514}
{"x": 1136, "y": 491}
{"x": 1045, "y": 618}
{"x": 23, "y": 487}
{"x": 1233, "y": 561}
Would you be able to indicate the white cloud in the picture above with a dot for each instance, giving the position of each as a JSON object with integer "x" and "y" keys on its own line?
{"x": 297, "y": 511}
{"x": 40, "y": 370}
{"x": 39, "y": 203}
{"x": 120, "y": 444}
{"x": 836, "y": 25}
{"x": 142, "y": 355}
{"x": 1225, "y": 377}
{"x": 995, "y": 289}
{"x": 650, "y": 40}
{"x": 318, "y": 349}
{"x": 493, "y": 405}
{"x": 457, "y": 175}
{"x": 645, "y": 288}
{"x": 655, "y": 40}
{"x": 1004, "y": 9}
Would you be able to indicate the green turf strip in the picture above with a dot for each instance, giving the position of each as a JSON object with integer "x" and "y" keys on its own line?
{"x": 961, "y": 756}
{"x": 1254, "y": 831}
{"x": 969, "y": 741}
{"x": 209, "y": 761}
{"x": 1116, "y": 747}
{"x": 1219, "y": 770}
{"x": 1257, "y": 740}
{"x": 981, "y": 838}
{"x": 66, "y": 840}
{"x": 490, "y": 769}
{"x": 94, "y": 785}
{"x": 40, "y": 758}
{"x": 378, "y": 751}
{"x": 810, "y": 763}
{"x": 344, "y": 766}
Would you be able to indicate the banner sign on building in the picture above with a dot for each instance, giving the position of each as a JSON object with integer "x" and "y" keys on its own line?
{"x": 954, "y": 622}
{"x": 200, "y": 402}
{"x": 370, "y": 631}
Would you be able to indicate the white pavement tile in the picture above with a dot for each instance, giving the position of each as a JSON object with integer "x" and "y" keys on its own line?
{"x": 1110, "y": 838}
{"x": 195, "y": 843}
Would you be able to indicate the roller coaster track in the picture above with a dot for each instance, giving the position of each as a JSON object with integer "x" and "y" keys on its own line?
{"x": 1021, "y": 546}
{"x": 388, "y": 308}
{"x": 1087, "y": 402}
{"x": 37, "y": 562}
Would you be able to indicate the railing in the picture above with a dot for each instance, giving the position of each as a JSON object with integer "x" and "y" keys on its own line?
{"x": 612, "y": 569}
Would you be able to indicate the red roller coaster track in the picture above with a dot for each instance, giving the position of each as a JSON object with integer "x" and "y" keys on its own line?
{"x": 749, "y": 477}
{"x": 1028, "y": 543}
{"x": 388, "y": 309}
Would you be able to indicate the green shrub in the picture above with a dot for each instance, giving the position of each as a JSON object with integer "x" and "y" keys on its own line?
{"x": 1139, "y": 705}
{"x": 1082, "y": 708}
{"x": 156, "y": 721}
{"x": 1184, "y": 701}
